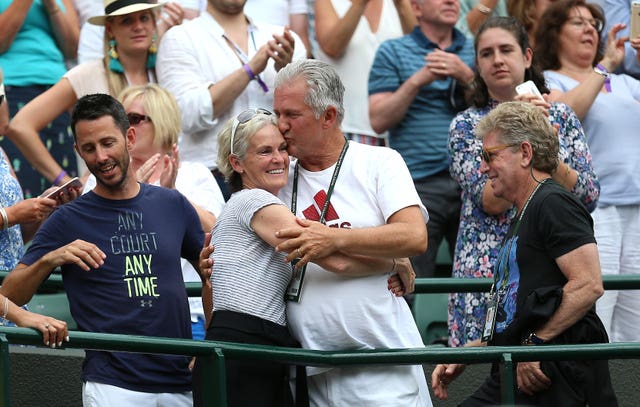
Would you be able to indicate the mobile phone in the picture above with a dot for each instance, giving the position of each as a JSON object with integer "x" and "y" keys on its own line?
{"x": 64, "y": 189}
{"x": 529, "y": 87}
{"x": 635, "y": 20}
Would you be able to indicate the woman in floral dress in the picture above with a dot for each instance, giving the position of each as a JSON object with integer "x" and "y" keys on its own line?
{"x": 504, "y": 59}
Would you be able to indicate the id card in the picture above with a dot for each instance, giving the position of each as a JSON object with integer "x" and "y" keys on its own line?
{"x": 294, "y": 291}
{"x": 490, "y": 320}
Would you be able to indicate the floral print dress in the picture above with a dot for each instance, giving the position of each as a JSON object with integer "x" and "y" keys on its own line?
{"x": 11, "y": 244}
{"x": 480, "y": 234}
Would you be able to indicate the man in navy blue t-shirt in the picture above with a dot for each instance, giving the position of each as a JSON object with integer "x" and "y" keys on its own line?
{"x": 119, "y": 247}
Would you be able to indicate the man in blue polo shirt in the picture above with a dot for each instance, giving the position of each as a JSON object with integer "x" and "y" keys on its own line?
{"x": 416, "y": 87}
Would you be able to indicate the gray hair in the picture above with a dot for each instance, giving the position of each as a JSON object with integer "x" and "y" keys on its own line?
{"x": 517, "y": 122}
{"x": 323, "y": 83}
{"x": 244, "y": 132}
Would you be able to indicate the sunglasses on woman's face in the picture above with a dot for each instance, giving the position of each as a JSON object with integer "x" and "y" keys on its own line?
{"x": 135, "y": 118}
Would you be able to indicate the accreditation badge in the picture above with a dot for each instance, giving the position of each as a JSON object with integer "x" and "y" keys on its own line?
{"x": 294, "y": 291}
{"x": 490, "y": 320}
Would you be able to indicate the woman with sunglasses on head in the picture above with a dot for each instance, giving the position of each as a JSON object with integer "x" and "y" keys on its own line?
{"x": 249, "y": 278}
{"x": 504, "y": 60}
{"x": 577, "y": 68}
{"x": 154, "y": 115}
{"x": 130, "y": 52}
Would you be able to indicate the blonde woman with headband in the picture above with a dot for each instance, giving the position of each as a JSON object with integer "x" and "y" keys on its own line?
{"x": 130, "y": 46}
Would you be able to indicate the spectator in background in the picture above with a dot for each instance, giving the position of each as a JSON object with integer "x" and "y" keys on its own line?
{"x": 217, "y": 65}
{"x": 528, "y": 13}
{"x": 349, "y": 34}
{"x": 153, "y": 113}
{"x": 619, "y": 11}
{"x": 578, "y": 74}
{"x": 504, "y": 60}
{"x": 547, "y": 276}
{"x": 91, "y": 46}
{"x": 473, "y": 13}
{"x": 369, "y": 207}
{"x": 36, "y": 36}
{"x": 290, "y": 13}
{"x": 119, "y": 248}
{"x": 129, "y": 37}
{"x": 415, "y": 89}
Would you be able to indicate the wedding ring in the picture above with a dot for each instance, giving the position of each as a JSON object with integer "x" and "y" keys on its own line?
{"x": 46, "y": 326}
{"x": 299, "y": 252}
{"x": 444, "y": 65}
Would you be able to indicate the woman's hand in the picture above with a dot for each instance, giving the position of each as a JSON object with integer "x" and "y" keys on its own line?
{"x": 205, "y": 263}
{"x": 403, "y": 282}
{"x": 147, "y": 169}
{"x": 32, "y": 210}
{"x": 614, "y": 48}
{"x": 170, "y": 171}
{"x": 53, "y": 330}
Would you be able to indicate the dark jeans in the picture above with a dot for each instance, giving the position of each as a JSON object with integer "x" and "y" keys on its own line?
{"x": 440, "y": 194}
{"x": 250, "y": 382}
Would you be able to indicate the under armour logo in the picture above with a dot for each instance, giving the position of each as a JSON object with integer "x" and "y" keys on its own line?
{"x": 312, "y": 212}
{"x": 146, "y": 303}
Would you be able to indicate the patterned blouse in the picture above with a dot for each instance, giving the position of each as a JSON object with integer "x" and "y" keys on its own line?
{"x": 480, "y": 234}
{"x": 11, "y": 244}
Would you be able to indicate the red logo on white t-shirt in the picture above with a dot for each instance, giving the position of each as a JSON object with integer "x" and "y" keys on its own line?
{"x": 313, "y": 211}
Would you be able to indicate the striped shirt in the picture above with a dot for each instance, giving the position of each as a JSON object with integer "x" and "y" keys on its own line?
{"x": 421, "y": 136}
{"x": 248, "y": 275}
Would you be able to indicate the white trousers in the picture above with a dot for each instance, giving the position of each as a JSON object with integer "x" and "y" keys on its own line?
{"x": 105, "y": 395}
{"x": 377, "y": 386}
{"x": 617, "y": 231}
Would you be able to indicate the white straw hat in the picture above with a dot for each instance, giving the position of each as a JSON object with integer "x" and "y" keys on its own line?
{"x": 122, "y": 7}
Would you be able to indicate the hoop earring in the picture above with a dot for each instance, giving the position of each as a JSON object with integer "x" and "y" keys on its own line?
{"x": 114, "y": 63}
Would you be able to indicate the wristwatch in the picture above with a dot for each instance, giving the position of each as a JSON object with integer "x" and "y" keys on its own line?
{"x": 533, "y": 339}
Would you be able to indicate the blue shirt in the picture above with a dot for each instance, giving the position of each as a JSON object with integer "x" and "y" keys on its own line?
{"x": 139, "y": 288}
{"x": 33, "y": 57}
{"x": 421, "y": 136}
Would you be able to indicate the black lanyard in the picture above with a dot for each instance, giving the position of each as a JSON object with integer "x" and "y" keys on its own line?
{"x": 332, "y": 184}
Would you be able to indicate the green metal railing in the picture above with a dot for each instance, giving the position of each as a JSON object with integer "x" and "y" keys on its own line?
{"x": 423, "y": 285}
{"x": 213, "y": 354}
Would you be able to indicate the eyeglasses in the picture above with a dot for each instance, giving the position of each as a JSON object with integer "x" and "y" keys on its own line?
{"x": 244, "y": 117}
{"x": 580, "y": 23}
{"x": 486, "y": 152}
{"x": 135, "y": 118}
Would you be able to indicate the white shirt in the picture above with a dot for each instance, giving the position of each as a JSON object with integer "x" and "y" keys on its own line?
{"x": 194, "y": 56}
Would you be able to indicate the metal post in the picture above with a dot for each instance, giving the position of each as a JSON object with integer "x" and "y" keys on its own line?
{"x": 214, "y": 391}
{"x": 506, "y": 380}
{"x": 5, "y": 386}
